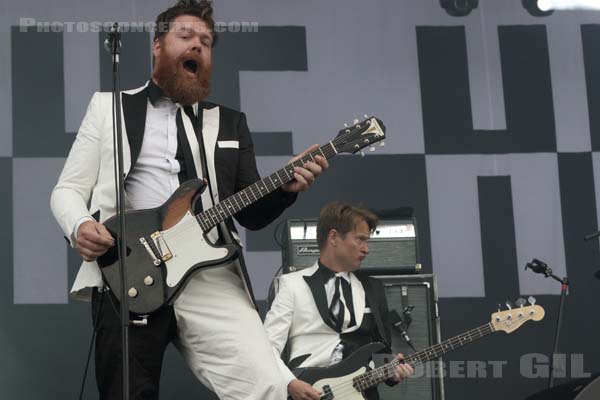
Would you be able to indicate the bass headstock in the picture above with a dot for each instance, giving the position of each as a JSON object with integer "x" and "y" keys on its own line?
{"x": 512, "y": 319}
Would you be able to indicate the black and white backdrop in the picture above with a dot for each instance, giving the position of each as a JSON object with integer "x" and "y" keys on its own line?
{"x": 493, "y": 139}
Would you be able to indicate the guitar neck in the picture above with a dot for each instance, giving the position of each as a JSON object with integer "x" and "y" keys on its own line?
{"x": 376, "y": 376}
{"x": 233, "y": 204}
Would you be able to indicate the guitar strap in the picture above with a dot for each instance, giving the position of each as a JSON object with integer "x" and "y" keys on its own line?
{"x": 193, "y": 128}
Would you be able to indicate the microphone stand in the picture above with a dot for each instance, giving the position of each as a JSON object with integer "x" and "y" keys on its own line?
{"x": 541, "y": 267}
{"x": 113, "y": 45}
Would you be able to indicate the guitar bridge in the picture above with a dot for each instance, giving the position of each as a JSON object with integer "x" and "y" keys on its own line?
{"x": 164, "y": 253}
{"x": 155, "y": 260}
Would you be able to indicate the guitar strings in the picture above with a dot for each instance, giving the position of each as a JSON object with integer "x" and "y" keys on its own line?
{"x": 181, "y": 229}
{"x": 328, "y": 150}
{"x": 414, "y": 360}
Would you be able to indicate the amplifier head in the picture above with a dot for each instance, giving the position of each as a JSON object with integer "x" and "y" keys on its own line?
{"x": 392, "y": 248}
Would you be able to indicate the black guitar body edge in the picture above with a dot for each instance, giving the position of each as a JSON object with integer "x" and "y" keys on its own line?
{"x": 139, "y": 265}
{"x": 358, "y": 359}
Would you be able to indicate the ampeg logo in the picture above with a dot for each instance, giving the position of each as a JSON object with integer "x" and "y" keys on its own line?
{"x": 306, "y": 250}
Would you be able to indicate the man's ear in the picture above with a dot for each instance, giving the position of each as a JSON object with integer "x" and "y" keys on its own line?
{"x": 332, "y": 237}
{"x": 156, "y": 46}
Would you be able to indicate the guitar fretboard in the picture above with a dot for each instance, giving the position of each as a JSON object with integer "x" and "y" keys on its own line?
{"x": 387, "y": 371}
{"x": 235, "y": 203}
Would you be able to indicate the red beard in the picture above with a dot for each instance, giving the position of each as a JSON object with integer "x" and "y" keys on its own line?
{"x": 184, "y": 79}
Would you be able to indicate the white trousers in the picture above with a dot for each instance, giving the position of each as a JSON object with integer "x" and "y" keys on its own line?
{"x": 222, "y": 338}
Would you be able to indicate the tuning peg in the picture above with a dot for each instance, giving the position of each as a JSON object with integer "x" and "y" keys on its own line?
{"x": 345, "y": 125}
{"x": 382, "y": 143}
{"x": 531, "y": 300}
{"x": 520, "y": 302}
{"x": 499, "y": 307}
{"x": 371, "y": 148}
{"x": 356, "y": 121}
{"x": 366, "y": 116}
{"x": 509, "y": 305}
{"x": 362, "y": 153}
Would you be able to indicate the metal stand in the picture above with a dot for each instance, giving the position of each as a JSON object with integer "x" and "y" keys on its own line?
{"x": 541, "y": 267}
{"x": 113, "y": 44}
{"x": 563, "y": 294}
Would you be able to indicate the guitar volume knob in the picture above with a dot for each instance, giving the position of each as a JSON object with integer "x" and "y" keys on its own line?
{"x": 132, "y": 292}
{"x": 149, "y": 280}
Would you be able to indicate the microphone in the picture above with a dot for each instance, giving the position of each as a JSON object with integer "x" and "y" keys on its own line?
{"x": 402, "y": 325}
{"x": 539, "y": 267}
{"x": 406, "y": 312}
{"x": 113, "y": 37}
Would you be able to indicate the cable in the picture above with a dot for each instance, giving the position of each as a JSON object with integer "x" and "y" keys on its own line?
{"x": 273, "y": 287}
{"x": 89, "y": 356}
{"x": 278, "y": 241}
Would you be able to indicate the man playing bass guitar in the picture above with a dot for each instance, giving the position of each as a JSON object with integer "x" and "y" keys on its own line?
{"x": 326, "y": 312}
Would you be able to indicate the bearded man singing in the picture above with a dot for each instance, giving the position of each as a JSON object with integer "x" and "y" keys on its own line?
{"x": 166, "y": 124}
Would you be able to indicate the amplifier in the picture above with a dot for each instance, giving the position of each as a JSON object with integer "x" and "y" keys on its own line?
{"x": 392, "y": 248}
{"x": 419, "y": 292}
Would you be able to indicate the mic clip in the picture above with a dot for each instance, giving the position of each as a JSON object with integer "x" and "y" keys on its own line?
{"x": 402, "y": 325}
{"x": 539, "y": 267}
{"x": 112, "y": 43}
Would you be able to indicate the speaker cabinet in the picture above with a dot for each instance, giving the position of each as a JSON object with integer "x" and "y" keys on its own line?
{"x": 420, "y": 292}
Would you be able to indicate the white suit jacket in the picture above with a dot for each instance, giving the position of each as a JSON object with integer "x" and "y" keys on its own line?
{"x": 86, "y": 185}
{"x": 298, "y": 316}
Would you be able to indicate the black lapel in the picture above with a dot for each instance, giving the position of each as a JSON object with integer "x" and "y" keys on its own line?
{"x": 372, "y": 299}
{"x": 317, "y": 287}
{"x": 134, "y": 113}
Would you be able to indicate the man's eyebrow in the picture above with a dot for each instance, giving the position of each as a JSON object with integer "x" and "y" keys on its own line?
{"x": 187, "y": 29}
{"x": 184, "y": 28}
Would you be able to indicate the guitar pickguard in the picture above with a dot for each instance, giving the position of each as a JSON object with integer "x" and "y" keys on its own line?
{"x": 341, "y": 387}
{"x": 188, "y": 247}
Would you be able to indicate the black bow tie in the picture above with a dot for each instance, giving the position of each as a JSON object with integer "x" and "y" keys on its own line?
{"x": 325, "y": 272}
{"x": 155, "y": 92}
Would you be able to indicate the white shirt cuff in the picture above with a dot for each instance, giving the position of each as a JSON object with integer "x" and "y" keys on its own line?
{"x": 76, "y": 229}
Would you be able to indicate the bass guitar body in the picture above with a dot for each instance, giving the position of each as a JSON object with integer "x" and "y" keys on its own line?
{"x": 336, "y": 382}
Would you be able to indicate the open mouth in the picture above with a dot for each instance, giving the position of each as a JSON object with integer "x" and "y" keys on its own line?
{"x": 190, "y": 66}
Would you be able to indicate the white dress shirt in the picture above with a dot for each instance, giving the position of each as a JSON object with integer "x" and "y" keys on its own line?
{"x": 154, "y": 177}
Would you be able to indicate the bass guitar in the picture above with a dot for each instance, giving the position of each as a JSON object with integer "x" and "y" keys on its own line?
{"x": 348, "y": 379}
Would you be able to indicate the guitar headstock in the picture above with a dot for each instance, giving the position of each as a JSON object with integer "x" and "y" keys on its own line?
{"x": 360, "y": 135}
{"x": 510, "y": 320}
